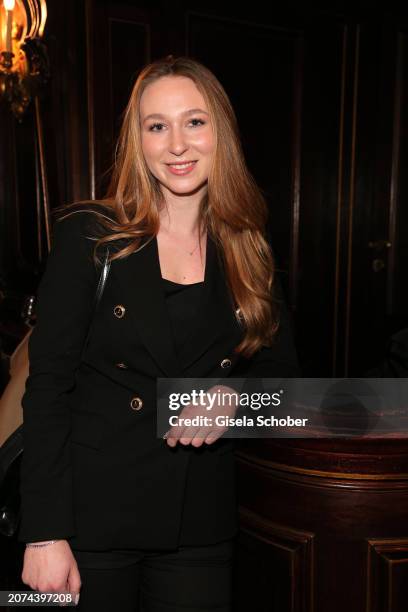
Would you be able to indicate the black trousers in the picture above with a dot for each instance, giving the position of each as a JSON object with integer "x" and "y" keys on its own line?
{"x": 190, "y": 579}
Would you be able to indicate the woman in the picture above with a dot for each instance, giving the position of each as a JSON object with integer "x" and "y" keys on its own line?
{"x": 117, "y": 513}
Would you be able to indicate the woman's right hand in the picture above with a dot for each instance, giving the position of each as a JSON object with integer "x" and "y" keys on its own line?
{"x": 51, "y": 569}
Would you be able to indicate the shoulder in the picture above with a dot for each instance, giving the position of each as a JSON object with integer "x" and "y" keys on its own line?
{"x": 81, "y": 220}
{"x": 83, "y": 212}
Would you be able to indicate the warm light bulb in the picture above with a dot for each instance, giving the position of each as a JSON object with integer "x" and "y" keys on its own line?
{"x": 9, "y": 4}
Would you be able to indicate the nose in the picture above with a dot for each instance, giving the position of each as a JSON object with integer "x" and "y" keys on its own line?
{"x": 177, "y": 144}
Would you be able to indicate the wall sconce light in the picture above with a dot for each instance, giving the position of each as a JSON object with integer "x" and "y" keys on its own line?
{"x": 24, "y": 64}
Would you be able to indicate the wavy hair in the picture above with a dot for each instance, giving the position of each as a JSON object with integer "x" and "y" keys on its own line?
{"x": 233, "y": 210}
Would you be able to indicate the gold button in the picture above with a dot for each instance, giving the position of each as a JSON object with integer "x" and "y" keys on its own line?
{"x": 121, "y": 365}
{"x": 119, "y": 311}
{"x": 225, "y": 363}
{"x": 136, "y": 403}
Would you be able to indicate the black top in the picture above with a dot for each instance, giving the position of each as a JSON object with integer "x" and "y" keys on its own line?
{"x": 182, "y": 302}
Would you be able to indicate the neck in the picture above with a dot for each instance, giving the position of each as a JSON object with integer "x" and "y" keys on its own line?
{"x": 180, "y": 216}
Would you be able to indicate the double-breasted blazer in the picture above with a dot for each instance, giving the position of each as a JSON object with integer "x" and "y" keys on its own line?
{"x": 94, "y": 471}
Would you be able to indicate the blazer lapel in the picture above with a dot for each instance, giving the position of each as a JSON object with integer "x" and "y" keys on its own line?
{"x": 139, "y": 275}
{"x": 215, "y": 315}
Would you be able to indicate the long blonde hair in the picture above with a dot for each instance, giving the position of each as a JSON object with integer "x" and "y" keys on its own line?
{"x": 233, "y": 210}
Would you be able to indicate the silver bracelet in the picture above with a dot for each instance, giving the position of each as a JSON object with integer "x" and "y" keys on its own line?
{"x": 40, "y": 545}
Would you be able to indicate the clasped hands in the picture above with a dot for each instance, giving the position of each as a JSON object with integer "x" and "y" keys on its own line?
{"x": 207, "y": 430}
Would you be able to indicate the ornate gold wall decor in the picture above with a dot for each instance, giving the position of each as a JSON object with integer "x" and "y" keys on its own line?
{"x": 24, "y": 65}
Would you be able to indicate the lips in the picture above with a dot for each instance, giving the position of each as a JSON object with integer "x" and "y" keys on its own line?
{"x": 191, "y": 161}
{"x": 181, "y": 168}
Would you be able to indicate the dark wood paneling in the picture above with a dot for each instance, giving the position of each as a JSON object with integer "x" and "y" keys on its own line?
{"x": 325, "y": 118}
{"x": 275, "y": 566}
{"x": 120, "y": 37}
{"x": 377, "y": 300}
{"x": 387, "y": 575}
{"x": 338, "y": 504}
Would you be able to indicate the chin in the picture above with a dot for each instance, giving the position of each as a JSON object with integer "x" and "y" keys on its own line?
{"x": 179, "y": 189}
{"x": 185, "y": 191}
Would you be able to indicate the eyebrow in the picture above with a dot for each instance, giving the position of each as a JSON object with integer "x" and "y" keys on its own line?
{"x": 188, "y": 112}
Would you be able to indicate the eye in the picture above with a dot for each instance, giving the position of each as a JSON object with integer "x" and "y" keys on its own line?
{"x": 200, "y": 120}
{"x": 154, "y": 125}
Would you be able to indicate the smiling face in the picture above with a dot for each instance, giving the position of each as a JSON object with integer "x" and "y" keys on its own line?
{"x": 176, "y": 130}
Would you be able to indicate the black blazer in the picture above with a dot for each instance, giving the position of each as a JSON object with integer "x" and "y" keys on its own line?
{"x": 93, "y": 470}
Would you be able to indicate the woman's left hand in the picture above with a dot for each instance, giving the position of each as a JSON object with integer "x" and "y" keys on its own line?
{"x": 207, "y": 430}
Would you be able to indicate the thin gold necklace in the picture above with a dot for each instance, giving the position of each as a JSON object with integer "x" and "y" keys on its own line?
{"x": 193, "y": 251}
{"x": 195, "y": 248}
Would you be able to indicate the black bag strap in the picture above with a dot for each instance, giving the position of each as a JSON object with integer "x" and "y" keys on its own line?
{"x": 99, "y": 291}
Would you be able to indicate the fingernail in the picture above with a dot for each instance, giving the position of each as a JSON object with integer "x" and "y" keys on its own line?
{"x": 165, "y": 435}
